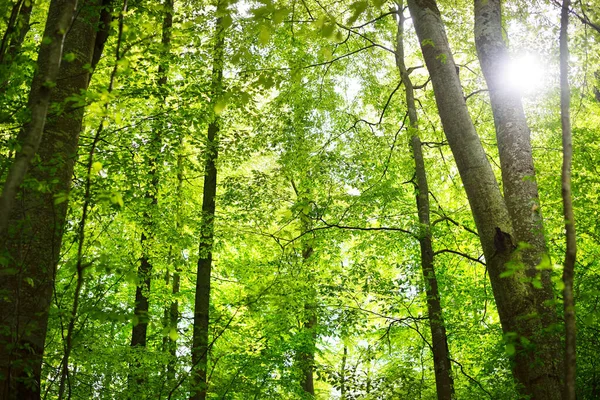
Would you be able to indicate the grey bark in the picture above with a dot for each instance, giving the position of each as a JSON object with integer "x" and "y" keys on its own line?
{"x": 514, "y": 298}
{"x": 514, "y": 148}
{"x": 200, "y": 344}
{"x": 569, "y": 215}
{"x": 442, "y": 368}
{"x": 32, "y": 245}
{"x": 60, "y": 16}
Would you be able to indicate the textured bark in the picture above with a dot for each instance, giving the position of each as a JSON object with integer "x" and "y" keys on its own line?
{"x": 569, "y": 216}
{"x": 443, "y": 377}
{"x": 60, "y": 16}
{"x": 200, "y": 345}
{"x": 31, "y": 251}
{"x": 514, "y": 148}
{"x": 514, "y": 298}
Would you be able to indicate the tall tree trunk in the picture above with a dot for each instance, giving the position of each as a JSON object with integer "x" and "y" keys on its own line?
{"x": 142, "y": 292}
{"x": 443, "y": 378}
{"x": 171, "y": 313}
{"x": 306, "y": 356}
{"x": 514, "y": 298}
{"x": 569, "y": 216}
{"x": 514, "y": 148}
{"x": 200, "y": 345}
{"x": 31, "y": 251}
{"x": 60, "y": 17}
{"x": 343, "y": 373}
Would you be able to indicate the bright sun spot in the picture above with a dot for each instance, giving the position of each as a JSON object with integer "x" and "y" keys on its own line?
{"x": 525, "y": 73}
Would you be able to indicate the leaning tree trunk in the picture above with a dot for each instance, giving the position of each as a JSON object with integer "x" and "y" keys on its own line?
{"x": 200, "y": 345}
{"x": 441, "y": 361}
{"x": 569, "y": 215}
{"x": 516, "y": 160}
{"x": 36, "y": 224}
{"x": 515, "y": 301}
{"x": 60, "y": 17}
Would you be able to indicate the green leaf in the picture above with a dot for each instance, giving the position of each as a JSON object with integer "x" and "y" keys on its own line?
{"x": 510, "y": 349}
{"x": 545, "y": 263}
{"x": 220, "y": 106}
{"x": 264, "y": 36}
{"x": 60, "y": 197}
{"x": 69, "y": 57}
{"x": 96, "y": 167}
{"x": 173, "y": 335}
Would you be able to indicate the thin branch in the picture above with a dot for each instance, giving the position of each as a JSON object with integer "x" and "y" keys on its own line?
{"x": 477, "y": 260}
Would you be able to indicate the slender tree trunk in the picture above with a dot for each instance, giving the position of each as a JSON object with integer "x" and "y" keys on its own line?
{"x": 172, "y": 312}
{"x": 16, "y": 30}
{"x": 569, "y": 215}
{"x": 306, "y": 356}
{"x": 142, "y": 292}
{"x": 33, "y": 243}
{"x": 60, "y": 16}
{"x": 441, "y": 361}
{"x": 200, "y": 346}
{"x": 343, "y": 373}
{"x": 516, "y": 303}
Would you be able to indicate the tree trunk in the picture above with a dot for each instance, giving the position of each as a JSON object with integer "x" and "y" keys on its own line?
{"x": 141, "y": 308}
{"x": 343, "y": 373}
{"x": 307, "y": 355}
{"x": 514, "y": 148}
{"x": 200, "y": 345}
{"x": 31, "y": 251}
{"x": 569, "y": 216}
{"x": 17, "y": 28}
{"x": 443, "y": 378}
{"x": 60, "y": 17}
{"x": 515, "y": 301}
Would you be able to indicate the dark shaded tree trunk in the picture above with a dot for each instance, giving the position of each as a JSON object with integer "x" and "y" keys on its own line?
{"x": 515, "y": 300}
{"x": 439, "y": 341}
{"x": 569, "y": 215}
{"x": 140, "y": 329}
{"x": 16, "y": 30}
{"x": 31, "y": 251}
{"x": 306, "y": 355}
{"x": 343, "y": 373}
{"x": 200, "y": 344}
{"x": 60, "y": 17}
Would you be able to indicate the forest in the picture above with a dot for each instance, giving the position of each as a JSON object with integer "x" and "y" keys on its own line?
{"x": 299, "y": 199}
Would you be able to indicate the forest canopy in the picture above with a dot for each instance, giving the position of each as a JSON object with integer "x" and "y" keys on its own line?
{"x": 299, "y": 199}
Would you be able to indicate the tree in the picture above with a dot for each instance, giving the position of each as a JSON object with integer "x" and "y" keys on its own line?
{"x": 33, "y": 242}
{"x": 441, "y": 358}
{"x": 200, "y": 345}
{"x": 515, "y": 296}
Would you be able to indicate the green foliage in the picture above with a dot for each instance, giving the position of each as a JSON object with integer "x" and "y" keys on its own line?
{"x": 314, "y": 154}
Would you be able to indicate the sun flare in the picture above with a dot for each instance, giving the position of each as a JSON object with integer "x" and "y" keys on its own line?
{"x": 525, "y": 73}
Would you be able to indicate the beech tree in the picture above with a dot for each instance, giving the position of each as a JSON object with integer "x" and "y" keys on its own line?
{"x": 300, "y": 200}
